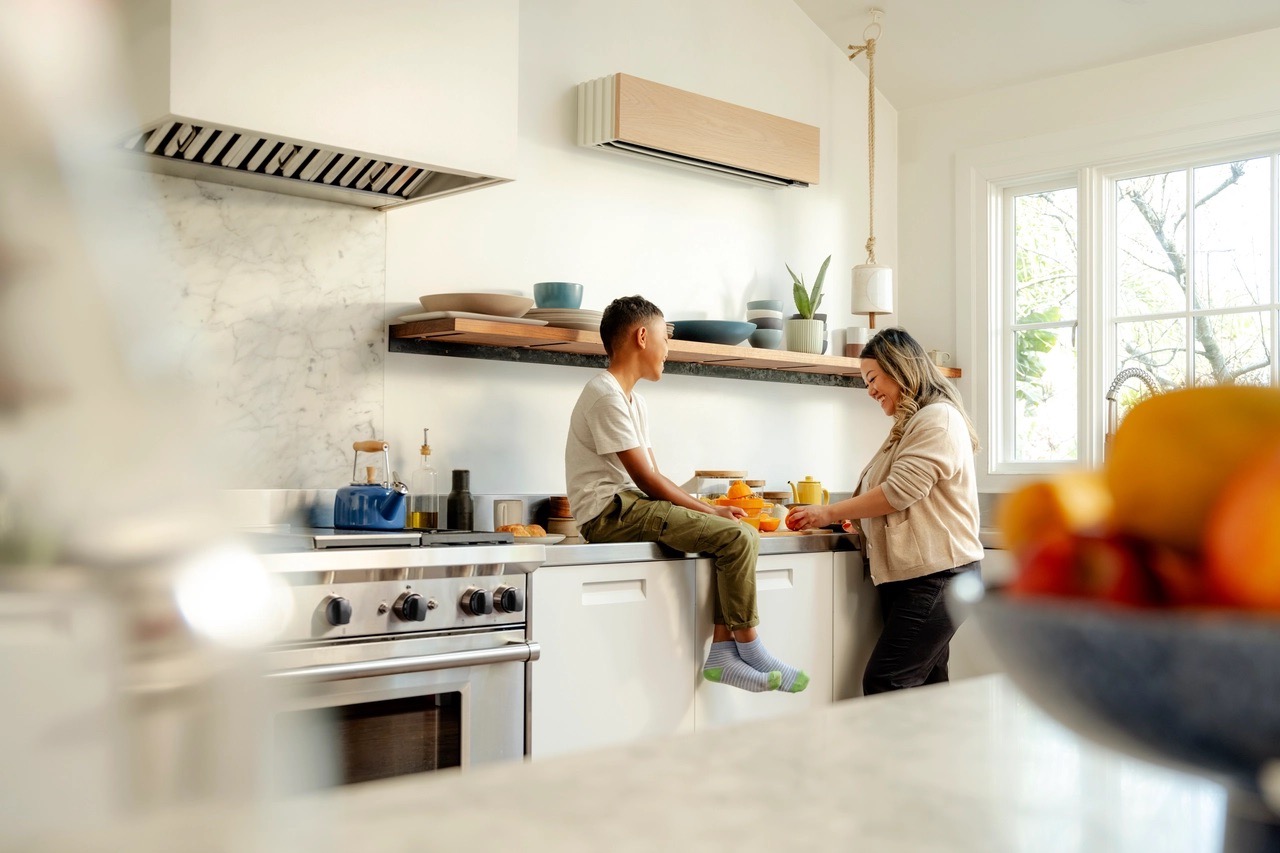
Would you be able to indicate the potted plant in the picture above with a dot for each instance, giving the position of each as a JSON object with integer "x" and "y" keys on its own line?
{"x": 806, "y": 332}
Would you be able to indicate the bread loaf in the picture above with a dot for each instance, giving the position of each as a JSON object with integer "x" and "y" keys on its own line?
{"x": 514, "y": 529}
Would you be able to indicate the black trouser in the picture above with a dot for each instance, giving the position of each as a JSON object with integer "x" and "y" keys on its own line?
{"x": 915, "y": 644}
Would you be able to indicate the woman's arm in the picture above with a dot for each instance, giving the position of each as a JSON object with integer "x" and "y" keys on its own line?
{"x": 642, "y": 467}
{"x": 868, "y": 505}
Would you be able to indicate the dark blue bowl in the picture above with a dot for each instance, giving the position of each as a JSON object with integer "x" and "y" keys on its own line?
{"x": 728, "y": 332}
{"x": 1199, "y": 691}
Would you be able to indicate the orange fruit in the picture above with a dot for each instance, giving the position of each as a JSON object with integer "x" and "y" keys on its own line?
{"x": 1242, "y": 538}
{"x": 738, "y": 489}
{"x": 1174, "y": 452}
{"x": 1072, "y": 502}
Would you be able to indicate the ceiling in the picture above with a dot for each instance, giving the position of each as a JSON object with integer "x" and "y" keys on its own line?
{"x": 935, "y": 50}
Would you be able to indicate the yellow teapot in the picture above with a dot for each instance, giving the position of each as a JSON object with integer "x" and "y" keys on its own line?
{"x": 808, "y": 491}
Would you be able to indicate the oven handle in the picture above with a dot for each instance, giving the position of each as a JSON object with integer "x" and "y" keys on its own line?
{"x": 419, "y": 663}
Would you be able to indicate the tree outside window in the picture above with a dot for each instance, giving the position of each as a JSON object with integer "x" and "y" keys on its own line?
{"x": 1193, "y": 297}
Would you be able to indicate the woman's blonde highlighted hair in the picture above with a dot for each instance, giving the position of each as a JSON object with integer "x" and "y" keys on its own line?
{"x": 904, "y": 361}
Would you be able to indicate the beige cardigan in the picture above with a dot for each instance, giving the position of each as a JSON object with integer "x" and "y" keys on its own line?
{"x": 929, "y": 479}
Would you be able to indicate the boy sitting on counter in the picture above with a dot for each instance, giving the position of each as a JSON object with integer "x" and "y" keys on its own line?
{"x": 619, "y": 495}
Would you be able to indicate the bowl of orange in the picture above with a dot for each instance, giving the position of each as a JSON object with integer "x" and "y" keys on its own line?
{"x": 1198, "y": 690}
{"x": 1145, "y": 611}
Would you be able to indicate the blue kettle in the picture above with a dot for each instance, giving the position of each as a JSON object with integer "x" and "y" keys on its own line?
{"x": 371, "y": 505}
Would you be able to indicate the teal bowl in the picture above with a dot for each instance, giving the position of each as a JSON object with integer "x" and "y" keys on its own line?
{"x": 557, "y": 294}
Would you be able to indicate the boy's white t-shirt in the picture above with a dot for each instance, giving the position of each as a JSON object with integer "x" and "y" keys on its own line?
{"x": 604, "y": 422}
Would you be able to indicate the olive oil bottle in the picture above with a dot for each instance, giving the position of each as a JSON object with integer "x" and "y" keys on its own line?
{"x": 424, "y": 494}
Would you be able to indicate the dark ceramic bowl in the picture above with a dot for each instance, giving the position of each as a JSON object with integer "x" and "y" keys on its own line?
{"x": 728, "y": 332}
{"x": 1199, "y": 691}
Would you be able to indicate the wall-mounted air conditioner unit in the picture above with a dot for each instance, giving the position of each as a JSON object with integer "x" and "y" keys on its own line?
{"x": 641, "y": 118}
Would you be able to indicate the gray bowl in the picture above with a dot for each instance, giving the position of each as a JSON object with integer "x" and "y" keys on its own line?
{"x": 766, "y": 339}
{"x": 1199, "y": 691}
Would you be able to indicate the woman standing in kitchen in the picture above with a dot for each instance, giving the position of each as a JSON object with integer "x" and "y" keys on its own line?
{"x": 917, "y": 500}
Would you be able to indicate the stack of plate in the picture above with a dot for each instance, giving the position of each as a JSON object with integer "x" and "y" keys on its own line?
{"x": 568, "y": 318}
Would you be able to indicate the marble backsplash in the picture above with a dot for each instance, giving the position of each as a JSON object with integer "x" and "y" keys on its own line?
{"x": 282, "y": 304}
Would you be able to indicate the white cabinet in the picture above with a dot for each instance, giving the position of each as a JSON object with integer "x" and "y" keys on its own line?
{"x": 793, "y": 592}
{"x": 618, "y": 660}
{"x": 856, "y": 622}
{"x": 971, "y": 654}
{"x": 431, "y": 81}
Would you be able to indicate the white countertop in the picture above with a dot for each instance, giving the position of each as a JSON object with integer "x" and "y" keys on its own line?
{"x": 970, "y": 766}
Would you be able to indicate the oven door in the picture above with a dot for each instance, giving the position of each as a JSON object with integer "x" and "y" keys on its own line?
{"x": 363, "y": 710}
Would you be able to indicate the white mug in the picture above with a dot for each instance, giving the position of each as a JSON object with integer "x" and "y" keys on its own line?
{"x": 939, "y": 357}
{"x": 507, "y": 512}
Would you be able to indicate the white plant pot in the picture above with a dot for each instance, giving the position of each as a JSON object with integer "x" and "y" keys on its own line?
{"x": 805, "y": 335}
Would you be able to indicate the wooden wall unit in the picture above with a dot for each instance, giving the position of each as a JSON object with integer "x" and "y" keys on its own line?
{"x": 644, "y": 118}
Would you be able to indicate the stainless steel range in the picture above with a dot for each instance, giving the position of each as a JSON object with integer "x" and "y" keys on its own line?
{"x": 406, "y": 652}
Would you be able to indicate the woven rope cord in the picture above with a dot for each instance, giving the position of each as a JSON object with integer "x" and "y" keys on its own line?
{"x": 870, "y": 50}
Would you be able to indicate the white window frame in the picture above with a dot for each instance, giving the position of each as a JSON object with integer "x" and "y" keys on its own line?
{"x": 1002, "y": 315}
{"x": 985, "y": 175}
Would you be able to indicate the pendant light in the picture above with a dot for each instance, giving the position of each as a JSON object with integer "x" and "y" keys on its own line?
{"x": 872, "y": 291}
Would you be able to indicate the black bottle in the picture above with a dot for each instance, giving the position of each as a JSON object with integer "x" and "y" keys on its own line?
{"x": 459, "y": 504}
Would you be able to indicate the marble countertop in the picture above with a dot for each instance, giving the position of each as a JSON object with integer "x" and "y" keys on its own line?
{"x": 969, "y": 766}
{"x": 583, "y": 553}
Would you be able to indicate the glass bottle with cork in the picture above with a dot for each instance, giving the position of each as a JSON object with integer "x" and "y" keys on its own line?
{"x": 424, "y": 494}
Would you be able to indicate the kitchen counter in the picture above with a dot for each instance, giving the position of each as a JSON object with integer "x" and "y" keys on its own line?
{"x": 968, "y": 766}
{"x": 595, "y": 553}
{"x": 283, "y": 552}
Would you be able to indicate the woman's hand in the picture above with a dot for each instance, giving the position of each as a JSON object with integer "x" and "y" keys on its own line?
{"x": 807, "y": 517}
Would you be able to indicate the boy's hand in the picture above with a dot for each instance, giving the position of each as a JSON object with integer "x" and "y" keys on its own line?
{"x": 733, "y": 513}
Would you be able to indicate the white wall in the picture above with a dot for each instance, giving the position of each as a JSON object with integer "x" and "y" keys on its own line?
{"x": 698, "y": 246}
{"x": 1137, "y": 105}
{"x": 283, "y": 299}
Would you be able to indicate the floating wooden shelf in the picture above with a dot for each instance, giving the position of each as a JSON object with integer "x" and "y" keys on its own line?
{"x": 494, "y": 340}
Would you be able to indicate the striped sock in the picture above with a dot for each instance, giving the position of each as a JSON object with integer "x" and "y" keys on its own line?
{"x": 757, "y": 656}
{"x": 725, "y": 667}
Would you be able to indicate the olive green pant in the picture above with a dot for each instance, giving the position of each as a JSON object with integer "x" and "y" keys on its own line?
{"x": 632, "y": 517}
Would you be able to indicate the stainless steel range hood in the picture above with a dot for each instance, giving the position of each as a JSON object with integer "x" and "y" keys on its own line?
{"x": 294, "y": 96}
{"x": 202, "y": 151}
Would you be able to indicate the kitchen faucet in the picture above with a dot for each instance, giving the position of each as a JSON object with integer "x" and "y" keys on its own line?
{"x": 1113, "y": 417}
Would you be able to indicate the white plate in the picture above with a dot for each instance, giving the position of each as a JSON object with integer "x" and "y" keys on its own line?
{"x": 580, "y": 325}
{"x": 549, "y": 539}
{"x": 467, "y": 315}
{"x": 563, "y": 312}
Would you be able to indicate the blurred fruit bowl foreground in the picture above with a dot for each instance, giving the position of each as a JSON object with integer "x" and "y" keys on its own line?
{"x": 1198, "y": 690}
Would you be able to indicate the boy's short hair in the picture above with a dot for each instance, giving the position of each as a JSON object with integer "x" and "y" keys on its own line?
{"x": 621, "y": 316}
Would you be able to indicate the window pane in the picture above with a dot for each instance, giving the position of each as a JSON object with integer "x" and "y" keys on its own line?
{"x": 1156, "y": 346}
{"x": 1045, "y": 395}
{"x": 1232, "y": 349}
{"x": 1044, "y": 256}
{"x": 1233, "y": 249}
{"x": 1151, "y": 244}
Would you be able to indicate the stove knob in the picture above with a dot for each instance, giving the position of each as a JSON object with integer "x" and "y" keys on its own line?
{"x": 337, "y": 610}
{"x": 411, "y": 607}
{"x": 508, "y": 599}
{"x": 477, "y": 602}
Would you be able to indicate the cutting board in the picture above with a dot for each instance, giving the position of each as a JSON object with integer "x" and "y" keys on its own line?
{"x": 781, "y": 532}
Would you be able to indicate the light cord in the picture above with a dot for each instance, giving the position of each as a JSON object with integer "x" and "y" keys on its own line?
{"x": 870, "y": 50}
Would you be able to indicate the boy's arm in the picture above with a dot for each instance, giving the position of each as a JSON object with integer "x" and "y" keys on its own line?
{"x": 643, "y": 470}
